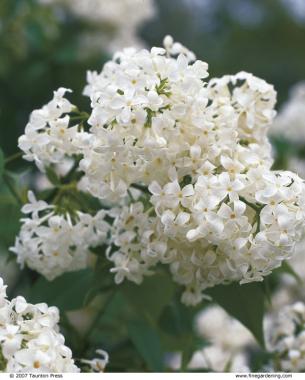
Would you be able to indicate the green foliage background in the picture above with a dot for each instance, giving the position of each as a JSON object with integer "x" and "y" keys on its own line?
{"x": 40, "y": 52}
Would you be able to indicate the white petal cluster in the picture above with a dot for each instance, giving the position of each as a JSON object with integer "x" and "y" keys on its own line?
{"x": 202, "y": 150}
{"x": 208, "y": 241}
{"x": 135, "y": 245}
{"x": 290, "y": 122}
{"x": 146, "y": 114}
{"x": 53, "y": 243}
{"x": 287, "y": 338}
{"x": 29, "y": 337}
{"x": 211, "y": 208}
{"x": 226, "y": 228}
{"x": 228, "y": 340}
{"x": 253, "y": 102}
{"x": 222, "y": 330}
{"x": 289, "y": 289}
{"x": 47, "y": 138}
{"x": 153, "y": 112}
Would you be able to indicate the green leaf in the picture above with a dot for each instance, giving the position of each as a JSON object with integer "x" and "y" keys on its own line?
{"x": 67, "y": 292}
{"x": 11, "y": 211}
{"x": 13, "y": 184}
{"x": 147, "y": 343}
{"x": 245, "y": 303}
{"x": 259, "y": 359}
{"x": 187, "y": 352}
{"x": 1, "y": 163}
{"x": 177, "y": 330}
{"x": 178, "y": 319}
{"x": 151, "y": 296}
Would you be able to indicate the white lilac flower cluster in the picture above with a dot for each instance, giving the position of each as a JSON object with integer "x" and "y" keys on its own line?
{"x": 228, "y": 341}
{"x": 286, "y": 338}
{"x": 211, "y": 208}
{"x": 152, "y": 112}
{"x": 52, "y": 243}
{"x": 48, "y": 138}
{"x": 138, "y": 245}
{"x": 117, "y": 22}
{"x": 290, "y": 122}
{"x": 289, "y": 290}
{"x": 220, "y": 213}
{"x": 29, "y": 337}
{"x": 143, "y": 104}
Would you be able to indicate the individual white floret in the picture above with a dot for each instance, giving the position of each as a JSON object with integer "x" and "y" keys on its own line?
{"x": 99, "y": 363}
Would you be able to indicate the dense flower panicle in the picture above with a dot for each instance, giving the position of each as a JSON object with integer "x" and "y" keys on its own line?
{"x": 253, "y": 101}
{"x": 214, "y": 210}
{"x": 286, "y": 338}
{"x": 215, "y": 324}
{"x": 47, "y": 138}
{"x": 235, "y": 219}
{"x": 228, "y": 341}
{"x": 153, "y": 112}
{"x": 52, "y": 243}
{"x": 146, "y": 113}
{"x": 29, "y": 337}
{"x": 207, "y": 235}
{"x": 218, "y": 237}
{"x": 136, "y": 244}
{"x": 290, "y": 122}
{"x": 289, "y": 290}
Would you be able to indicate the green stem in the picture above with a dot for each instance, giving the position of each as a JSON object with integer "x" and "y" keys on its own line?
{"x": 77, "y": 338}
{"x": 130, "y": 195}
{"x": 257, "y": 210}
{"x": 13, "y": 157}
{"x": 73, "y": 169}
{"x": 140, "y": 187}
{"x": 252, "y": 205}
{"x": 150, "y": 210}
{"x": 82, "y": 116}
{"x": 258, "y": 225}
{"x": 62, "y": 189}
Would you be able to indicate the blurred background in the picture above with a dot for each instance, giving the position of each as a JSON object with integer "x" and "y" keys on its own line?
{"x": 45, "y": 44}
